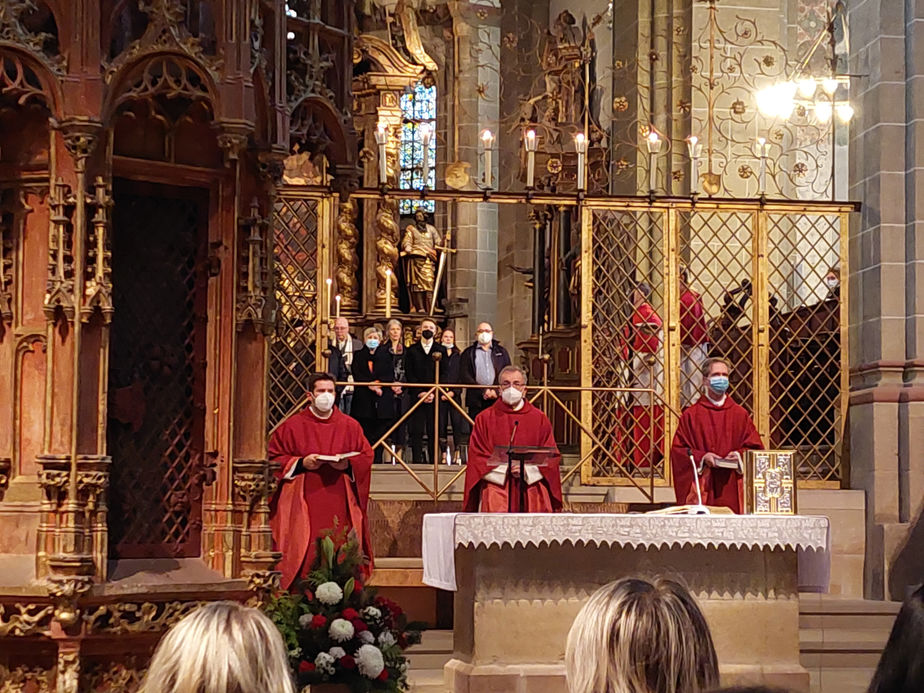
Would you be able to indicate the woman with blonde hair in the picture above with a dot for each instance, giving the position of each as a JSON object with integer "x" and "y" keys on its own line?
{"x": 221, "y": 647}
{"x": 636, "y": 636}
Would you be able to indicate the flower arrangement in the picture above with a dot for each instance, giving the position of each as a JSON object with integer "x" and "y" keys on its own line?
{"x": 339, "y": 631}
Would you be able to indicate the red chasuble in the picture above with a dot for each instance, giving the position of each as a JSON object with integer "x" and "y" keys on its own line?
{"x": 719, "y": 429}
{"x": 692, "y": 319}
{"x": 492, "y": 428}
{"x": 306, "y": 505}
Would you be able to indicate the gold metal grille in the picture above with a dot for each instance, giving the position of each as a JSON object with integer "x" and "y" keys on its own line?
{"x": 293, "y": 350}
{"x": 759, "y": 274}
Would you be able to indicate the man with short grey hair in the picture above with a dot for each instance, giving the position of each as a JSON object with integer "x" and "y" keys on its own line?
{"x": 481, "y": 364}
{"x": 346, "y": 345}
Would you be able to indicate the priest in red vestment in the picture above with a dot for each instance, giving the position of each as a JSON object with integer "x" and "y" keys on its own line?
{"x": 694, "y": 342}
{"x": 325, "y": 470}
{"x": 644, "y": 419}
{"x": 712, "y": 430}
{"x": 488, "y": 486}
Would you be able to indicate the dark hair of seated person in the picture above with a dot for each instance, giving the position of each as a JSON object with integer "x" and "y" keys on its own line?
{"x": 901, "y": 667}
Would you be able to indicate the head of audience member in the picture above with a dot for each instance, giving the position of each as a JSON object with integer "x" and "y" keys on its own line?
{"x": 684, "y": 276}
{"x": 484, "y": 334}
{"x": 901, "y": 667}
{"x": 640, "y": 294}
{"x": 342, "y": 329}
{"x": 372, "y": 338}
{"x": 715, "y": 373}
{"x": 512, "y": 381}
{"x": 833, "y": 279}
{"x": 751, "y": 689}
{"x": 322, "y": 393}
{"x": 221, "y": 647}
{"x": 641, "y": 636}
{"x": 427, "y": 330}
{"x": 448, "y": 338}
{"x": 394, "y": 331}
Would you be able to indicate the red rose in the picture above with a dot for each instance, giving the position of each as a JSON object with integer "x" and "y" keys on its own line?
{"x": 384, "y": 675}
{"x": 318, "y": 621}
{"x": 358, "y": 625}
{"x": 347, "y": 662}
{"x": 309, "y": 595}
{"x": 357, "y": 586}
{"x": 350, "y": 614}
{"x": 305, "y": 667}
{"x": 402, "y": 641}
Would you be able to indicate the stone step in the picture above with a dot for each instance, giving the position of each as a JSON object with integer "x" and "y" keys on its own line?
{"x": 841, "y": 640}
{"x": 846, "y": 680}
{"x": 426, "y": 681}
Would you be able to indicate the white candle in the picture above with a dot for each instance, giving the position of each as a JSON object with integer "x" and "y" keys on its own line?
{"x": 487, "y": 137}
{"x": 328, "y": 296}
{"x": 425, "y": 135}
{"x": 337, "y": 302}
{"x": 388, "y": 293}
{"x": 654, "y": 146}
{"x": 762, "y": 175}
{"x": 381, "y": 137}
{"x": 695, "y": 149}
{"x": 529, "y": 142}
{"x": 580, "y": 146}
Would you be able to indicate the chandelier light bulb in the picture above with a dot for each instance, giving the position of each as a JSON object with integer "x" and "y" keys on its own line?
{"x": 487, "y": 137}
{"x": 529, "y": 140}
{"x": 823, "y": 111}
{"x": 654, "y": 142}
{"x": 829, "y": 85}
{"x": 844, "y": 111}
{"x": 807, "y": 86}
{"x": 766, "y": 102}
{"x": 694, "y": 148}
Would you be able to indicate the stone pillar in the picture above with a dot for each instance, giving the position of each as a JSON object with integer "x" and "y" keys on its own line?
{"x": 887, "y": 286}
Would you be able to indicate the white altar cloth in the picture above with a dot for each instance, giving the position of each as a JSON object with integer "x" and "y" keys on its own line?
{"x": 808, "y": 535}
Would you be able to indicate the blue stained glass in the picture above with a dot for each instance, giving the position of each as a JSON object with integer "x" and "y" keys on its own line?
{"x": 418, "y": 107}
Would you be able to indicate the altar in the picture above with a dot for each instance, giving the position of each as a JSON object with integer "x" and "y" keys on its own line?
{"x": 520, "y": 579}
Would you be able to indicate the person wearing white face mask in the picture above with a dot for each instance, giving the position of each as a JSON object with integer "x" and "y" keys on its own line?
{"x": 511, "y": 422}
{"x": 713, "y": 434}
{"x": 480, "y": 365}
{"x": 325, "y": 468}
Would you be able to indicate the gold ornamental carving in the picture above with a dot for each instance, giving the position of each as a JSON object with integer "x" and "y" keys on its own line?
{"x": 263, "y": 583}
{"x": 23, "y": 620}
{"x": 25, "y": 678}
{"x": 347, "y": 256}
{"x": 254, "y": 299}
{"x": 68, "y": 672}
{"x": 97, "y": 293}
{"x": 59, "y": 287}
{"x": 387, "y": 231}
{"x": 131, "y": 617}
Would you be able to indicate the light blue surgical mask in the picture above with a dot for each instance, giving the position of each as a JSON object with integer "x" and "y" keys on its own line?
{"x": 719, "y": 383}
{"x": 372, "y": 343}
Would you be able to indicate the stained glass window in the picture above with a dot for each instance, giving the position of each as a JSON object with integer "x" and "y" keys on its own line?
{"x": 418, "y": 107}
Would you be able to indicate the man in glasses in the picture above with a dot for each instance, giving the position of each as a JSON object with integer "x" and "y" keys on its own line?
{"x": 493, "y": 483}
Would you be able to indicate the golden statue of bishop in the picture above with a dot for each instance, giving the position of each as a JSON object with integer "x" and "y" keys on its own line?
{"x": 419, "y": 246}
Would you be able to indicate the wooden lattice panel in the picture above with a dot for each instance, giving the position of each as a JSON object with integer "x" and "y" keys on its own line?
{"x": 157, "y": 369}
{"x": 292, "y": 355}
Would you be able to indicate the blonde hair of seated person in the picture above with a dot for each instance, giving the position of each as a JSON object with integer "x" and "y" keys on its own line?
{"x": 640, "y": 636}
{"x": 221, "y": 647}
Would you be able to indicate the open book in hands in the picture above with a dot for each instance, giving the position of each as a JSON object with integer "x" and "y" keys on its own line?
{"x": 733, "y": 462}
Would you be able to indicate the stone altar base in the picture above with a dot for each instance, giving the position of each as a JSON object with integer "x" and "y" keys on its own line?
{"x": 515, "y": 605}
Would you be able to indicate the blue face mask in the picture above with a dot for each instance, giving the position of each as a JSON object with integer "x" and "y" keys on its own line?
{"x": 372, "y": 343}
{"x": 719, "y": 384}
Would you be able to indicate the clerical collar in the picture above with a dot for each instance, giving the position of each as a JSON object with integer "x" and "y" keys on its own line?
{"x": 319, "y": 415}
{"x": 716, "y": 402}
{"x": 519, "y": 405}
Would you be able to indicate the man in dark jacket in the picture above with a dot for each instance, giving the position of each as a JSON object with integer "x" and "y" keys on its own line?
{"x": 450, "y": 373}
{"x": 420, "y": 368}
{"x": 481, "y": 363}
{"x": 342, "y": 347}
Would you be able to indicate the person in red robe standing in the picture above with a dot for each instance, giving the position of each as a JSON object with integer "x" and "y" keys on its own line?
{"x": 315, "y": 494}
{"x": 488, "y": 488}
{"x": 644, "y": 420}
{"x": 694, "y": 342}
{"x": 714, "y": 428}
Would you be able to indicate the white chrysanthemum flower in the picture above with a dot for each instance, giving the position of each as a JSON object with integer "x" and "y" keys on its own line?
{"x": 371, "y": 613}
{"x": 386, "y": 639}
{"x": 305, "y": 620}
{"x": 341, "y": 630}
{"x": 324, "y": 663}
{"x": 329, "y": 593}
{"x": 297, "y": 652}
{"x": 369, "y": 661}
{"x": 367, "y": 637}
{"x": 337, "y": 652}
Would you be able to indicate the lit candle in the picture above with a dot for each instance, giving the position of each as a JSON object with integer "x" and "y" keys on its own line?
{"x": 695, "y": 149}
{"x": 529, "y": 142}
{"x": 337, "y": 303}
{"x": 487, "y": 138}
{"x": 762, "y": 148}
{"x": 388, "y": 293}
{"x": 425, "y": 135}
{"x": 329, "y": 295}
{"x": 381, "y": 138}
{"x": 654, "y": 146}
{"x": 580, "y": 146}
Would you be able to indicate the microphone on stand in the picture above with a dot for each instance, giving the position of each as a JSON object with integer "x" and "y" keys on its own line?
{"x": 699, "y": 508}
{"x": 513, "y": 435}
